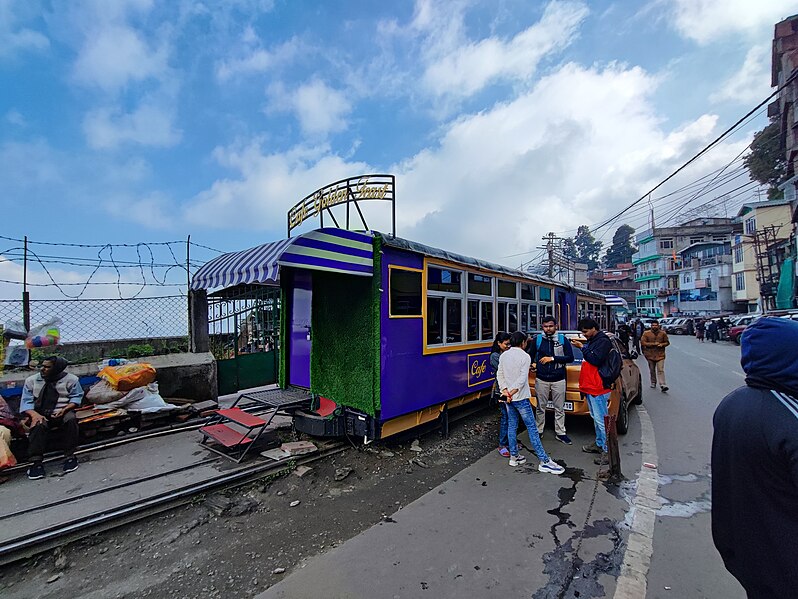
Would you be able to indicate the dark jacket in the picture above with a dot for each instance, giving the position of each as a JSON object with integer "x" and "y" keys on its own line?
{"x": 755, "y": 464}
{"x": 553, "y": 371}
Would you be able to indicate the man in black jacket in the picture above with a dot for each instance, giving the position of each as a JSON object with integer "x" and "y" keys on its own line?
{"x": 755, "y": 464}
{"x": 551, "y": 351}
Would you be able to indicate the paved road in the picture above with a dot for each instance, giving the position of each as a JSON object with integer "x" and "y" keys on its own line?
{"x": 685, "y": 563}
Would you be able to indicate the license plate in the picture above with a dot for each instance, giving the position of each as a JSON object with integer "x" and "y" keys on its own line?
{"x": 567, "y": 405}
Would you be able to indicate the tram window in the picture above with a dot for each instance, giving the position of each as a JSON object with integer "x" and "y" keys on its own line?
{"x": 501, "y": 311}
{"x": 473, "y": 320}
{"x": 545, "y": 294}
{"x": 434, "y": 320}
{"x": 444, "y": 279}
{"x": 405, "y": 292}
{"x": 508, "y": 289}
{"x": 512, "y": 317}
{"x": 527, "y": 291}
{"x": 454, "y": 320}
{"x": 487, "y": 321}
{"x": 479, "y": 284}
{"x": 533, "y": 318}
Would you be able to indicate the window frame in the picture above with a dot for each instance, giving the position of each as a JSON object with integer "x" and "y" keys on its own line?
{"x": 391, "y": 268}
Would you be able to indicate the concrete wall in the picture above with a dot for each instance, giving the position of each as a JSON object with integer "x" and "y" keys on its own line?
{"x": 83, "y": 351}
{"x": 187, "y": 375}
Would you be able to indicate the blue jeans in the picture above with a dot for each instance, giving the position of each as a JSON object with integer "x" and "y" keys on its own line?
{"x": 503, "y": 440}
{"x": 523, "y": 409}
{"x": 599, "y": 407}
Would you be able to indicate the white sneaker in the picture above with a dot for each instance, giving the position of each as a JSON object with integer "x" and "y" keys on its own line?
{"x": 517, "y": 460}
{"x": 551, "y": 467}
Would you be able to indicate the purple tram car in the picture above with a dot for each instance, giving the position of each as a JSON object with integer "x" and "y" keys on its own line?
{"x": 407, "y": 338}
{"x": 383, "y": 334}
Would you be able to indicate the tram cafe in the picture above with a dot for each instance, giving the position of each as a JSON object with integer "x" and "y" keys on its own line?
{"x": 386, "y": 334}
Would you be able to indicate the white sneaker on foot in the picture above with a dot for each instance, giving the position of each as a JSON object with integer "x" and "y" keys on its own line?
{"x": 551, "y": 467}
{"x": 517, "y": 460}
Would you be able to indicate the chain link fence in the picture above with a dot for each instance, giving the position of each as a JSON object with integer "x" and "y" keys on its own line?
{"x": 97, "y": 328}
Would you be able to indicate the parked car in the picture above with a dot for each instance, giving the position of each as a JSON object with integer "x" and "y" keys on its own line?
{"x": 628, "y": 388}
{"x": 680, "y": 326}
{"x": 739, "y": 326}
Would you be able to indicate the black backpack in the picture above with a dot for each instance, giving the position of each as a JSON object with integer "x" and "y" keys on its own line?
{"x": 610, "y": 370}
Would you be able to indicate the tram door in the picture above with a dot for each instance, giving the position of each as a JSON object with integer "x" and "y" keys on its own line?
{"x": 300, "y": 330}
{"x": 566, "y": 309}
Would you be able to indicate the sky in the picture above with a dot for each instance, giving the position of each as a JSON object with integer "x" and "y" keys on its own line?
{"x": 132, "y": 121}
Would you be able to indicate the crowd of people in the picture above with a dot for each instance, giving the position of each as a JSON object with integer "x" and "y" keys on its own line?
{"x": 512, "y": 356}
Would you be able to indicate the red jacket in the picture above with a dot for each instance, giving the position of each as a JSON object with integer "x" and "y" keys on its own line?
{"x": 590, "y": 381}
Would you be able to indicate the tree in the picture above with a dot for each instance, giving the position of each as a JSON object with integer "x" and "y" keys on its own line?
{"x": 622, "y": 247}
{"x": 766, "y": 162}
{"x": 583, "y": 247}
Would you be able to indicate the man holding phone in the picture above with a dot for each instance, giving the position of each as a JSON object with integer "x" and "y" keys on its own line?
{"x": 550, "y": 353}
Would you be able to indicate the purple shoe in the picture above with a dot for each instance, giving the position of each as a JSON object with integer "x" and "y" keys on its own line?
{"x": 504, "y": 452}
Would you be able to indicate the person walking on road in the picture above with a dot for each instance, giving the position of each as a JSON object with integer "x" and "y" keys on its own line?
{"x": 500, "y": 345}
{"x": 638, "y": 328}
{"x": 654, "y": 342}
{"x": 513, "y": 380}
{"x": 712, "y": 330}
{"x": 700, "y": 329}
{"x": 595, "y": 352}
{"x": 551, "y": 352}
{"x": 755, "y": 464}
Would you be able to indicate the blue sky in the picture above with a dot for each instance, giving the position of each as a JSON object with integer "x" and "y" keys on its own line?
{"x": 140, "y": 120}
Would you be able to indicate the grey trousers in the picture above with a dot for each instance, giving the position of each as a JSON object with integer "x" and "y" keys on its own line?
{"x": 554, "y": 392}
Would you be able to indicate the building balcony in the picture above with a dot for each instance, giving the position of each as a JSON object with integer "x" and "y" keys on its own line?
{"x": 640, "y": 259}
{"x": 644, "y": 236}
{"x": 666, "y": 291}
{"x": 648, "y": 275}
{"x": 646, "y": 294}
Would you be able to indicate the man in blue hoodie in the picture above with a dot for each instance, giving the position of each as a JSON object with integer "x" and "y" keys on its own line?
{"x": 755, "y": 464}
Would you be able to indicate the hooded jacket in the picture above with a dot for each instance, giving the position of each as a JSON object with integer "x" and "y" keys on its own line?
{"x": 550, "y": 346}
{"x": 755, "y": 464}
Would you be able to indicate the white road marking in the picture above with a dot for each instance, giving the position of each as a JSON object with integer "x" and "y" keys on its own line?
{"x": 640, "y": 546}
{"x": 710, "y": 361}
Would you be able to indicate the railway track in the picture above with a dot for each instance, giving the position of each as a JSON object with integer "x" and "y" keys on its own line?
{"x": 49, "y": 536}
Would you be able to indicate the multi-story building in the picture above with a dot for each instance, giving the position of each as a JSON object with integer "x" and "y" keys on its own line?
{"x": 618, "y": 280}
{"x": 705, "y": 286}
{"x": 756, "y": 259}
{"x": 658, "y": 264}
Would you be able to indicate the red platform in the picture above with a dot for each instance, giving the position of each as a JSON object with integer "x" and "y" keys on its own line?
{"x": 224, "y": 435}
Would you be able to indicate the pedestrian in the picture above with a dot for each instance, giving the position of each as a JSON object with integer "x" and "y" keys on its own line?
{"x": 500, "y": 345}
{"x": 625, "y": 336}
{"x": 690, "y": 325}
{"x": 755, "y": 464}
{"x": 513, "y": 380}
{"x": 595, "y": 352}
{"x": 638, "y": 328}
{"x": 712, "y": 330}
{"x": 9, "y": 426}
{"x": 551, "y": 351}
{"x": 49, "y": 400}
{"x": 654, "y": 342}
{"x": 700, "y": 328}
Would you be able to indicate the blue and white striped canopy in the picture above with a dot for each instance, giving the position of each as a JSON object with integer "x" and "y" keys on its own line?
{"x": 336, "y": 250}
{"x": 614, "y": 300}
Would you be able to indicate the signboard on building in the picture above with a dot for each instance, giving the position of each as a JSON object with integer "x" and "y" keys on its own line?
{"x": 345, "y": 192}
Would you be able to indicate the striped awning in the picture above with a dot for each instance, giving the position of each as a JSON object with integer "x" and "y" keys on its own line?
{"x": 335, "y": 250}
{"x": 614, "y": 300}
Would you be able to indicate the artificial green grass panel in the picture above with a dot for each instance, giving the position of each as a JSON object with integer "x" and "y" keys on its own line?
{"x": 284, "y": 341}
{"x": 342, "y": 355}
{"x": 376, "y": 302}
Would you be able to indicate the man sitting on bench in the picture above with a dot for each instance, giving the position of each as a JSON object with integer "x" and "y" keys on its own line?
{"x": 49, "y": 400}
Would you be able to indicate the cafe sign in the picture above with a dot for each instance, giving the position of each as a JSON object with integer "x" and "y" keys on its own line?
{"x": 345, "y": 192}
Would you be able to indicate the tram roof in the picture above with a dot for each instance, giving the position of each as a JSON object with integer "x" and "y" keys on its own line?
{"x": 428, "y": 250}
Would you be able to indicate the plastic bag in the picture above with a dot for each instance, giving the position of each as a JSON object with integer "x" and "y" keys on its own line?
{"x": 16, "y": 355}
{"x": 46, "y": 334}
{"x": 128, "y": 376}
{"x": 14, "y": 329}
{"x": 102, "y": 392}
{"x": 145, "y": 400}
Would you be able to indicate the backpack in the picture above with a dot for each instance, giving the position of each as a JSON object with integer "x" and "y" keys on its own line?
{"x": 539, "y": 340}
{"x": 610, "y": 370}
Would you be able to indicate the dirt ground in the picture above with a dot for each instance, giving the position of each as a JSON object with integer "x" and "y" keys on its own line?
{"x": 240, "y": 542}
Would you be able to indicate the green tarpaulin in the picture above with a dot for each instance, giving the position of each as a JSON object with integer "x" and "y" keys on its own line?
{"x": 786, "y": 289}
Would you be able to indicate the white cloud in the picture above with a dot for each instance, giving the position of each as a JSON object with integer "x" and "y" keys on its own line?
{"x": 254, "y": 59}
{"x": 320, "y": 109}
{"x": 465, "y": 68}
{"x": 751, "y": 82}
{"x": 15, "y": 117}
{"x": 117, "y": 55}
{"x": 708, "y": 20}
{"x": 151, "y": 124}
{"x": 14, "y": 38}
